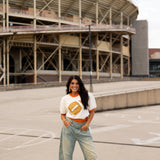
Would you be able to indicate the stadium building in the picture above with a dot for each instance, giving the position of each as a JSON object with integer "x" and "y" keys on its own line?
{"x": 49, "y": 40}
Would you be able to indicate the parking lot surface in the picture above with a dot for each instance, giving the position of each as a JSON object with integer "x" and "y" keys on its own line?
{"x": 30, "y": 126}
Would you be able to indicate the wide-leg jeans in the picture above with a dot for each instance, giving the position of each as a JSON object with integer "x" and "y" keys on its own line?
{"x": 69, "y": 136}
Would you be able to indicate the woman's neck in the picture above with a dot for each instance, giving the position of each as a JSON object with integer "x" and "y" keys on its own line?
{"x": 74, "y": 93}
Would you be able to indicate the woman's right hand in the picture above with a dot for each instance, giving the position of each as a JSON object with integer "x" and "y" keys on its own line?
{"x": 67, "y": 123}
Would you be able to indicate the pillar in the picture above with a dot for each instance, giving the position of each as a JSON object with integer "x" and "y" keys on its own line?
{"x": 4, "y": 14}
{"x": 4, "y": 62}
{"x": 80, "y": 12}
{"x": 111, "y": 56}
{"x": 59, "y": 13}
{"x": 7, "y": 62}
{"x": 35, "y": 60}
{"x": 35, "y": 14}
{"x": 80, "y": 57}
{"x": 97, "y": 13}
{"x": 60, "y": 64}
{"x": 97, "y": 57}
{"x": 121, "y": 57}
{"x": 110, "y": 16}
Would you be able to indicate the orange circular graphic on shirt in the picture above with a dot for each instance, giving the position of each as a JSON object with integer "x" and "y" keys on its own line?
{"x": 75, "y": 108}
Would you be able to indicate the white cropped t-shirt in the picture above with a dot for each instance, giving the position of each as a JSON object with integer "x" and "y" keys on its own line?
{"x": 73, "y": 108}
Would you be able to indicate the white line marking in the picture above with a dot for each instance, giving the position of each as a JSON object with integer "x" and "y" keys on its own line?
{"x": 155, "y": 140}
{"x": 144, "y": 121}
{"x": 111, "y": 128}
{"x": 3, "y": 131}
{"x": 31, "y": 142}
{"x": 11, "y": 136}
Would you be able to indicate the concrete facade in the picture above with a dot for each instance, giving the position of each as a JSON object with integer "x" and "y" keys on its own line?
{"x": 140, "y": 56}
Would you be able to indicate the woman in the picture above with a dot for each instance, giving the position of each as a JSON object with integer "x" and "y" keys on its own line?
{"x": 77, "y": 111}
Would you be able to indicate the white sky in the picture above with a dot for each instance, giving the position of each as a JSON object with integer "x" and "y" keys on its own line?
{"x": 150, "y": 10}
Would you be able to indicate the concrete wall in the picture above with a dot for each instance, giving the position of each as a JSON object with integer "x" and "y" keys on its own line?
{"x": 103, "y": 45}
{"x": 128, "y": 99}
{"x": 69, "y": 40}
{"x": 125, "y": 50}
{"x": 140, "y": 56}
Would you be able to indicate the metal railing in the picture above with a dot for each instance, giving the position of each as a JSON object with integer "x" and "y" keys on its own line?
{"x": 64, "y": 28}
{"x": 84, "y": 24}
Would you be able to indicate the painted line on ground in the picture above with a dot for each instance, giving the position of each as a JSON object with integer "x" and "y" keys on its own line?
{"x": 109, "y": 128}
{"x": 48, "y": 135}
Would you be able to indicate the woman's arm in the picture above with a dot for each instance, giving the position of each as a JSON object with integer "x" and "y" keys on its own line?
{"x": 85, "y": 127}
{"x": 66, "y": 123}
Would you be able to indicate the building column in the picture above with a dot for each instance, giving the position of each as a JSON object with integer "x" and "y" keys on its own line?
{"x": 121, "y": 56}
{"x": 128, "y": 21}
{"x": 1, "y": 67}
{"x": 43, "y": 58}
{"x": 7, "y": 17}
{"x": 0, "y": 56}
{"x": 20, "y": 60}
{"x": 80, "y": 12}
{"x": 121, "y": 20}
{"x": 97, "y": 13}
{"x": 111, "y": 56}
{"x": 60, "y": 64}
{"x": 111, "y": 68}
{"x": 4, "y": 8}
{"x": 129, "y": 66}
{"x": 59, "y": 13}
{"x": 97, "y": 57}
{"x": 80, "y": 57}
{"x": 4, "y": 62}
{"x": 7, "y": 62}
{"x": 129, "y": 56}
{"x": 35, "y": 60}
{"x": 35, "y": 14}
{"x": 110, "y": 16}
{"x": 97, "y": 63}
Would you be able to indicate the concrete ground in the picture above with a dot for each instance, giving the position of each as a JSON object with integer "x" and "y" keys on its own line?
{"x": 30, "y": 126}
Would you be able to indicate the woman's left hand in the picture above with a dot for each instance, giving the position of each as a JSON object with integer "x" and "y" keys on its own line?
{"x": 84, "y": 128}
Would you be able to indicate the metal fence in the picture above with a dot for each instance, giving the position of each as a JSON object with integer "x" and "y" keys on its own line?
{"x": 63, "y": 28}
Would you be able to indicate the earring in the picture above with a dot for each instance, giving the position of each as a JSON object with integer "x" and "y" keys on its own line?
{"x": 70, "y": 90}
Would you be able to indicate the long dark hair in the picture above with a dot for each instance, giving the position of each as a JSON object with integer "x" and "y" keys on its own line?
{"x": 82, "y": 90}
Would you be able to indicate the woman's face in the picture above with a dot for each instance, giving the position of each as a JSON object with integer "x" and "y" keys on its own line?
{"x": 74, "y": 86}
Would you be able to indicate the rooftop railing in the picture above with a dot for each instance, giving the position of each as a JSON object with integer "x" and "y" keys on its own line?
{"x": 67, "y": 28}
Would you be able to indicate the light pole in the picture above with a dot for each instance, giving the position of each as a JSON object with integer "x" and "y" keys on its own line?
{"x": 90, "y": 60}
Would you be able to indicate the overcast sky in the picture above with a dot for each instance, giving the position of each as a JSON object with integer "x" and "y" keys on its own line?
{"x": 150, "y": 10}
